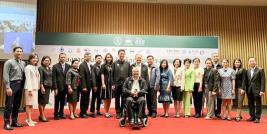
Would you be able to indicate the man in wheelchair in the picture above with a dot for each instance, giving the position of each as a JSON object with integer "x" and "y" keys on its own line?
{"x": 134, "y": 90}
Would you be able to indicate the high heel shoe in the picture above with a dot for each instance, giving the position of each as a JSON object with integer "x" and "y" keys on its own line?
{"x": 30, "y": 123}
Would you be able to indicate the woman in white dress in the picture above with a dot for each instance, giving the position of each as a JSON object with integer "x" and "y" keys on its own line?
{"x": 32, "y": 84}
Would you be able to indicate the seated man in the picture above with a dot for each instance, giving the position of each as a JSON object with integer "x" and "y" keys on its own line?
{"x": 134, "y": 89}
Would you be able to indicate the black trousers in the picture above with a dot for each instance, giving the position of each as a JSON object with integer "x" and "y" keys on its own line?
{"x": 12, "y": 103}
{"x": 197, "y": 97}
{"x": 218, "y": 105}
{"x": 84, "y": 102}
{"x": 60, "y": 100}
{"x": 119, "y": 100}
{"x": 96, "y": 98}
{"x": 254, "y": 110}
{"x": 141, "y": 102}
{"x": 151, "y": 101}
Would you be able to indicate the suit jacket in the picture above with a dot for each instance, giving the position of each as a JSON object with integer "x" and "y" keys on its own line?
{"x": 96, "y": 75}
{"x": 73, "y": 78}
{"x": 211, "y": 82}
{"x": 127, "y": 86}
{"x": 121, "y": 71}
{"x": 218, "y": 66}
{"x": 86, "y": 75}
{"x": 241, "y": 77}
{"x": 188, "y": 80}
{"x": 59, "y": 77}
{"x": 32, "y": 81}
{"x": 143, "y": 73}
{"x": 256, "y": 83}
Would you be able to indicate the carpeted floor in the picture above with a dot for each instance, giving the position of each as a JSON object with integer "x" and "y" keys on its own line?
{"x": 156, "y": 126}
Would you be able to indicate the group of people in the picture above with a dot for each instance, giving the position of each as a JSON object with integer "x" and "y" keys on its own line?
{"x": 217, "y": 85}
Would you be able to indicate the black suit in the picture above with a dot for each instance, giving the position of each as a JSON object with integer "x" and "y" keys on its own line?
{"x": 143, "y": 73}
{"x": 218, "y": 104}
{"x": 121, "y": 71}
{"x": 96, "y": 76}
{"x": 86, "y": 82}
{"x": 59, "y": 83}
{"x": 255, "y": 85}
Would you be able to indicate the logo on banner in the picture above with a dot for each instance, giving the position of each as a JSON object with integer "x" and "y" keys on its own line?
{"x": 117, "y": 41}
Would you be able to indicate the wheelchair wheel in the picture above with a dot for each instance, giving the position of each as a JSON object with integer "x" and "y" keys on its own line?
{"x": 145, "y": 122}
{"x": 122, "y": 122}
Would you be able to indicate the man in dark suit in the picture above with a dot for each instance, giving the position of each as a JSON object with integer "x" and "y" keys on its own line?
{"x": 85, "y": 70}
{"x": 59, "y": 71}
{"x": 96, "y": 75}
{"x": 255, "y": 90}
{"x": 121, "y": 71}
{"x": 218, "y": 102}
{"x": 143, "y": 71}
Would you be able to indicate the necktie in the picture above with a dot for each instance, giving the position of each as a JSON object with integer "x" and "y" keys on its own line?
{"x": 63, "y": 67}
{"x": 252, "y": 72}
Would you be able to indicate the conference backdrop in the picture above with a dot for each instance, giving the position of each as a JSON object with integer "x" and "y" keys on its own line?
{"x": 161, "y": 47}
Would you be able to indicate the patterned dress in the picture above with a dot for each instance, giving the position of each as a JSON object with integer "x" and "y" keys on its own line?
{"x": 227, "y": 75}
{"x": 165, "y": 78}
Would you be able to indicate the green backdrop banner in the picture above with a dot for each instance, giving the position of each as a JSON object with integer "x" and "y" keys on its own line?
{"x": 83, "y": 39}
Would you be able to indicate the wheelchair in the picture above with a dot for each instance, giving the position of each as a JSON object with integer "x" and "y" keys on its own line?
{"x": 125, "y": 120}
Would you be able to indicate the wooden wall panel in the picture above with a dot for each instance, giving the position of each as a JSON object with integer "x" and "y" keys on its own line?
{"x": 242, "y": 30}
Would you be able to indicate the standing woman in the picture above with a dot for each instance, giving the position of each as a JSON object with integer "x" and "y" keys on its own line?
{"x": 188, "y": 80}
{"x": 177, "y": 94}
{"x": 227, "y": 88}
{"x": 32, "y": 84}
{"x": 73, "y": 83}
{"x": 45, "y": 86}
{"x": 198, "y": 93}
{"x": 165, "y": 87}
{"x": 106, "y": 78}
{"x": 240, "y": 86}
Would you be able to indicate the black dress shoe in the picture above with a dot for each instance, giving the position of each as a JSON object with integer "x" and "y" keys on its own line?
{"x": 8, "y": 127}
{"x": 154, "y": 115}
{"x": 197, "y": 116}
{"x": 99, "y": 114}
{"x": 218, "y": 116}
{"x": 250, "y": 119}
{"x": 62, "y": 117}
{"x": 15, "y": 124}
{"x": 118, "y": 116}
{"x": 257, "y": 121}
{"x": 92, "y": 115}
{"x": 83, "y": 116}
{"x": 56, "y": 118}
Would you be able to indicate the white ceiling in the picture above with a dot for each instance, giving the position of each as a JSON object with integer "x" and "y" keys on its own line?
{"x": 204, "y": 2}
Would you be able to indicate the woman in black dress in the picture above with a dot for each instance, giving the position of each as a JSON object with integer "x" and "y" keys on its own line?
{"x": 73, "y": 83}
{"x": 106, "y": 77}
{"x": 45, "y": 86}
{"x": 240, "y": 87}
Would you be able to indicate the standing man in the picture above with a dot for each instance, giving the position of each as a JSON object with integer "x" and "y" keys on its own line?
{"x": 255, "y": 90}
{"x": 85, "y": 70}
{"x": 142, "y": 68}
{"x": 121, "y": 71}
{"x": 14, "y": 84}
{"x": 153, "y": 86}
{"x": 96, "y": 75}
{"x": 218, "y": 100}
{"x": 59, "y": 71}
